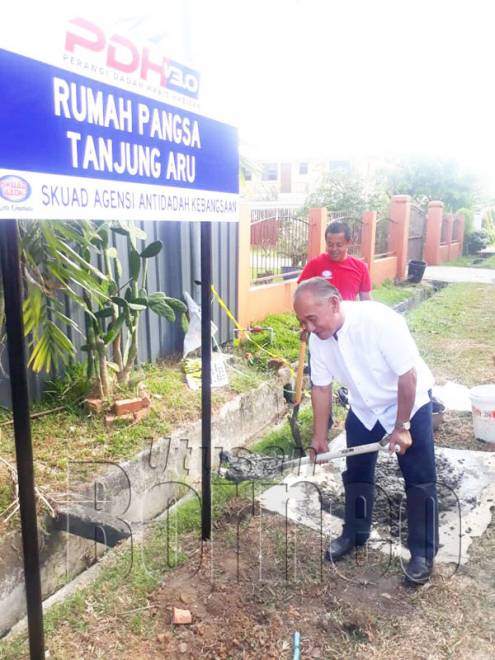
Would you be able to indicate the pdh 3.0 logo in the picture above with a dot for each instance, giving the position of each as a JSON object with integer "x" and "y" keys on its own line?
{"x": 14, "y": 188}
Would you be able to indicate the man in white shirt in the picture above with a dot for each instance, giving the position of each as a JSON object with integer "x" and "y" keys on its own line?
{"x": 368, "y": 348}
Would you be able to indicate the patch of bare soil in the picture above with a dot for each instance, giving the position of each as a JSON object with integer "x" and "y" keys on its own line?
{"x": 260, "y": 580}
{"x": 456, "y": 432}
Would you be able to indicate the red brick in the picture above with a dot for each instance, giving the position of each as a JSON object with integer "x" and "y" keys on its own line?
{"x": 181, "y": 617}
{"x": 140, "y": 414}
{"x": 125, "y": 406}
{"x": 93, "y": 405}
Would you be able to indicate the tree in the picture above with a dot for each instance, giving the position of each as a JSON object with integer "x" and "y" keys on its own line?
{"x": 52, "y": 265}
{"x": 341, "y": 191}
{"x": 488, "y": 224}
{"x": 292, "y": 240}
{"x": 114, "y": 323}
{"x": 427, "y": 179}
{"x": 57, "y": 260}
{"x": 346, "y": 196}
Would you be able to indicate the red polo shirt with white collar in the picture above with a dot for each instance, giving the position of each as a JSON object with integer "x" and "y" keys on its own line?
{"x": 349, "y": 276}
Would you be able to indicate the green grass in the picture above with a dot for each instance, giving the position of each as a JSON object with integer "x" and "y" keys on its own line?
{"x": 390, "y": 295}
{"x": 467, "y": 262}
{"x": 72, "y": 434}
{"x": 6, "y": 493}
{"x": 125, "y": 583}
{"x": 244, "y": 380}
{"x": 455, "y": 333}
{"x": 127, "y": 579}
{"x": 281, "y": 341}
{"x": 280, "y": 440}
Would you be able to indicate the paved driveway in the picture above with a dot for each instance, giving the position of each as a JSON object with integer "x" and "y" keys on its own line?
{"x": 456, "y": 274}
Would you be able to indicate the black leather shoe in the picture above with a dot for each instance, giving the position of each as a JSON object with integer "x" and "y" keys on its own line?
{"x": 340, "y": 547}
{"x": 418, "y": 570}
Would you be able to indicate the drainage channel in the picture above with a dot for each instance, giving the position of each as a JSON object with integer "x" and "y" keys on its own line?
{"x": 127, "y": 494}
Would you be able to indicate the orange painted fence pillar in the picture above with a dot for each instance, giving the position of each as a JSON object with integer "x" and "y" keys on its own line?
{"x": 434, "y": 217}
{"x": 400, "y": 212}
{"x": 244, "y": 266}
{"x": 460, "y": 233}
{"x": 449, "y": 231}
{"x": 368, "y": 238}
{"x": 318, "y": 219}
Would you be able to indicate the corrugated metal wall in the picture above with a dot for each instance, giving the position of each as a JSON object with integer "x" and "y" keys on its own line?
{"x": 174, "y": 271}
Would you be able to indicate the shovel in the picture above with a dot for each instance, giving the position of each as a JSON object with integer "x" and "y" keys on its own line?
{"x": 337, "y": 453}
{"x": 253, "y": 466}
{"x": 294, "y": 425}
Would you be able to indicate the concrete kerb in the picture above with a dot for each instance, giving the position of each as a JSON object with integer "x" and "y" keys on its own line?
{"x": 136, "y": 491}
{"x": 422, "y": 293}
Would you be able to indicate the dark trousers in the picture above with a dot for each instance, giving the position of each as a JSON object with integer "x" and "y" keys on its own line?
{"x": 418, "y": 469}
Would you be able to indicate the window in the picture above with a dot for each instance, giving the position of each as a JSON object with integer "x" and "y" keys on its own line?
{"x": 270, "y": 172}
{"x": 247, "y": 174}
{"x": 339, "y": 166}
{"x": 303, "y": 168}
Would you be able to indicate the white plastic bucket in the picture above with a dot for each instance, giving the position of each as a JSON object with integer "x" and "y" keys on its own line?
{"x": 483, "y": 405}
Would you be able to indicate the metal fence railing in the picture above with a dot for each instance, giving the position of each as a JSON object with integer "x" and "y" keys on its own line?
{"x": 279, "y": 244}
{"x": 416, "y": 234}
{"x": 443, "y": 232}
{"x": 382, "y": 238}
{"x": 456, "y": 230}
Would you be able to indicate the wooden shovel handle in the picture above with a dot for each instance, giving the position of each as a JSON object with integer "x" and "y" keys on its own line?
{"x": 300, "y": 369}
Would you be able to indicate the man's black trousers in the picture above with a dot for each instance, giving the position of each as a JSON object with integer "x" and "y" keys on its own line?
{"x": 418, "y": 469}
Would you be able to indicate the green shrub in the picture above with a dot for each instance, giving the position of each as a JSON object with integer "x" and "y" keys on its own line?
{"x": 489, "y": 226}
{"x": 468, "y": 220}
{"x": 476, "y": 241}
{"x": 69, "y": 389}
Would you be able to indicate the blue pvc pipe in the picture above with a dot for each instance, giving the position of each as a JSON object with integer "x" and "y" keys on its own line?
{"x": 296, "y": 646}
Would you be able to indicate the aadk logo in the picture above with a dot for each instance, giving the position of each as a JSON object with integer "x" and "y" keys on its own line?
{"x": 14, "y": 188}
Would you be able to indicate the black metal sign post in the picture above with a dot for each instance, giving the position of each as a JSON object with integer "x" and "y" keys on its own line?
{"x": 205, "y": 380}
{"x": 9, "y": 255}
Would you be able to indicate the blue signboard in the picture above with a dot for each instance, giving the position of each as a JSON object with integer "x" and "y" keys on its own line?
{"x": 72, "y": 146}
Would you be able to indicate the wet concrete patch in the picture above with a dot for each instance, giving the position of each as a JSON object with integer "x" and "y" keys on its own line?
{"x": 466, "y": 495}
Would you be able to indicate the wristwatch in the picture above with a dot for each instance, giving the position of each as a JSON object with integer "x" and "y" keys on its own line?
{"x": 403, "y": 426}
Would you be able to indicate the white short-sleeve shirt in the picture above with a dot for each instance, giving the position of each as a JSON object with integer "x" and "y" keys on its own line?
{"x": 368, "y": 354}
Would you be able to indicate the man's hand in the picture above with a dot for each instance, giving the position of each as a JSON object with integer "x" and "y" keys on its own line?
{"x": 321, "y": 400}
{"x": 401, "y": 439}
{"x": 318, "y": 446}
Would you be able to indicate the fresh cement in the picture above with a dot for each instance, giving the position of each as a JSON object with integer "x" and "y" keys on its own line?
{"x": 466, "y": 493}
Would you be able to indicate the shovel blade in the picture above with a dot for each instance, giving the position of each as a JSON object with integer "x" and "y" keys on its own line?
{"x": 296, "y": 431}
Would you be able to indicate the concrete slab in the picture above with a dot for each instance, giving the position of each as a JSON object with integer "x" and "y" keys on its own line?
{"x": 464, "y": 510}
{"x": 458, "y": 274}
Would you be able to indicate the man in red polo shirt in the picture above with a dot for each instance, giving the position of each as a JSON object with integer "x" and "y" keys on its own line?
{"x": 348, "y": 274}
